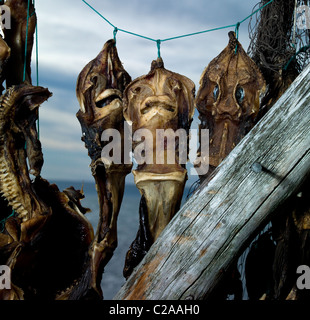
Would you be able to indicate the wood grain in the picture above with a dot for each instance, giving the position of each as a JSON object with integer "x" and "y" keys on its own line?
{"x": 195, "y": 250}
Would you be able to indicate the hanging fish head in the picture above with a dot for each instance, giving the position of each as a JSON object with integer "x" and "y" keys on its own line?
{"x": 20, "y": 112}
{"x": 21, "y": 154}
{"x": 228, "y": 99}
{"x": 160, "y": 99}
{"x": 99, "y": 90}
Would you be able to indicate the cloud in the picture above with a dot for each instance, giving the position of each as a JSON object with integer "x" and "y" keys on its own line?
{"x": 71, "y": 34}
{"x": 53, "y": 143}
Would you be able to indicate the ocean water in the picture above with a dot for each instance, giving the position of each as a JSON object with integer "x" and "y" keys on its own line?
{"x": 128, "y": 223}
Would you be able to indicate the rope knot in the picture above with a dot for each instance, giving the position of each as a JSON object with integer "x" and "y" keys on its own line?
{"x": 237, "y": 29}
{"x": 114, "y": 33}
{"x": 237, "y": 35}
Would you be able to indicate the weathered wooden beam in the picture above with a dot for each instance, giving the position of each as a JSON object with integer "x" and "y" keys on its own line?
{"x": 194, "y": 251}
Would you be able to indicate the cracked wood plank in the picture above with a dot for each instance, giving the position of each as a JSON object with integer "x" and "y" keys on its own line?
{"x": 207, "y": 234}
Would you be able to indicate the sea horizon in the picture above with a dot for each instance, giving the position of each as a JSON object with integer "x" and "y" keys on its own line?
{"x": 128, "y": 224}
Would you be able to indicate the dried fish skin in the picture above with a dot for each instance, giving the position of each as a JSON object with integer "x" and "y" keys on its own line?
{"x": 228, "y": 99}
{"x": 99, "y": 90}
{"x": 5, "y": 52}
{"x": 15, "y": 38}
{"x": 46, "y": 241}
{"x": 160, "y": 100}
{"x": 18, "y": 115}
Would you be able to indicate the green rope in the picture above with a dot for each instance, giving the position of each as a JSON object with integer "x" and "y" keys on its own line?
{"x": 136, "y": 34}
{"x": 37, "y": 47}
{"x": 37, "y": 54}
{"x": 3, "y": 221}
{"x": 158, "y": 47}
{"x": 199, "y": 32}
{"x": 301, "y": 50}
{"x": 114, "y": 34}
{"x": 111, "y": 24}
{"x": 37, "y": 67}
{"x": 257, "y": 10}
{"x": 159, "y": 41}
{"x": 25, "y": 62}
{"x": 237, "y": 35}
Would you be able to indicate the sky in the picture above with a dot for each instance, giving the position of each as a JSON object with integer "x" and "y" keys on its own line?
{"x": 70, "y": 34}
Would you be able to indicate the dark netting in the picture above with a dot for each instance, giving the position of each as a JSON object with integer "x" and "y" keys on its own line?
{"x": 280, "y": 46}
{"x": 278, "y": 34}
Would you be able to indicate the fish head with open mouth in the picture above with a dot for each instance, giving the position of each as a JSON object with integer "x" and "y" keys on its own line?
{"x": 99, "y": 90}
{"x": 20, "y": 146}
{"x": 28, "y": 100}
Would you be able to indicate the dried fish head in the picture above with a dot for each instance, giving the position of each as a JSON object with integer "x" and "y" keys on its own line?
{"x": 46, "y": 228}
{"x": 99, "y": 90}
{"x": 19, "y": 141}
{"x": 160, "y": 99}
{"x": 27, "y": 102}
{"x": 228, "y": 99}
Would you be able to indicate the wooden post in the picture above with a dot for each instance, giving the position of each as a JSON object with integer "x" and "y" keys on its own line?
{"x": 195, "y": 250}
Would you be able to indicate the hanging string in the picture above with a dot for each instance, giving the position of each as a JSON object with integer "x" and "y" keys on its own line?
{"x": 158, "y": 47}
{"x": 111, "y": 24}
{"x": 114, "y": 33}
{"x": 159, "y": 41}
{"x": 24, "y": 77}
{"x": 26, "y": 42}
{"x": 37, "y": 54}
{"x": 237, "y": 35}
{"x": 301, "y": 50}
{"x": 37, "y": 47}
{"x": 37, "y": 64}
{"x": 3, "y": 221}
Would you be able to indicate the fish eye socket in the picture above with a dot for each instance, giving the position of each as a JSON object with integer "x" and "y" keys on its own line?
{"x": 216, "y": 92}
{"x": 136, "y": 90}
{"x": 173, "y": 84}
{"x": 240, "y": 94}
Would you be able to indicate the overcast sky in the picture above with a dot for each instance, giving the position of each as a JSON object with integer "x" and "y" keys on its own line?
{"x": 71, "y": 34}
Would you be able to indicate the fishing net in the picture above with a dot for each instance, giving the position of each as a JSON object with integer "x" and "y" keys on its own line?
{"x": 280, "y": 46}
{"x": 280, "y": 36}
